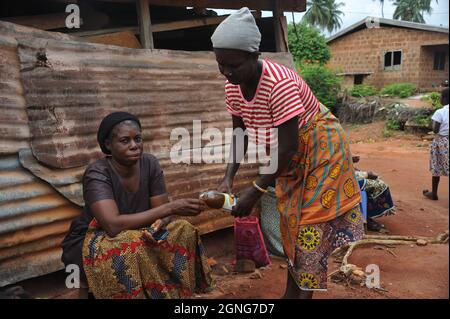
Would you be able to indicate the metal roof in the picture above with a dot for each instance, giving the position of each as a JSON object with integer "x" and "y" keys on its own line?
{"x": 372, "y": 21}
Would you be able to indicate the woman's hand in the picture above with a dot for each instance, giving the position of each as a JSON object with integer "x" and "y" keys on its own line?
{"x": 187, "y": 207}
{"x": 158, "y": 225}
{"x": 161, "y": 224}
{"x": 247, "y": 199}
{"x": 225, "y": 186}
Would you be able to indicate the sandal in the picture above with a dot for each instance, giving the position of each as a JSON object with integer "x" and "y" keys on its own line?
{"x": 429, "y": 194}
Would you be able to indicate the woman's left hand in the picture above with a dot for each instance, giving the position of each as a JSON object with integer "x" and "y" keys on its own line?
{"x": 247, "y": 199}
{"x": 161, "y": 223}
{"x": 156, "y": 226}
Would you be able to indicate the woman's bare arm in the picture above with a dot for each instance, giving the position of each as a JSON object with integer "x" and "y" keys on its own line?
{"x": 107, "y": 214}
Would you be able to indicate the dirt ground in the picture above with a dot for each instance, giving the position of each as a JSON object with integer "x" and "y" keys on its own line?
{"x": 411, "y": 271}
{"x": 408, "y": 271}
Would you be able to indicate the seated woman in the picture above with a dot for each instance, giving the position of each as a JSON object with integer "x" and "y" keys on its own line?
{"x": 125, "y": 203}
{"x": 379, "y": 199}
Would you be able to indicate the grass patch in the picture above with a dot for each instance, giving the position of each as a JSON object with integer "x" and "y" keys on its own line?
{"x": 434, "y": 98}
{"x": 362, "y": 90}
{"x": 393, "y": 125}
{"x": 402, "y": 90}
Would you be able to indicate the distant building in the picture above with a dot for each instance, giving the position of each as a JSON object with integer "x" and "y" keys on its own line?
{"x": 379, "y": 52}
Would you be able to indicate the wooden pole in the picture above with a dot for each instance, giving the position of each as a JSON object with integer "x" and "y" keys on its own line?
{"x": 145, "y": 24}
{"x": 279, "y": 31}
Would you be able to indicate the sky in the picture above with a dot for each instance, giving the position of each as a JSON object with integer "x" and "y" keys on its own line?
{"x": 356, "y": 10}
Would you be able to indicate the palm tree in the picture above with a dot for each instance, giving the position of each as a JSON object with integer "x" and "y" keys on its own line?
{"x": 324, "y": 14}
{"x": 382, "y": 7}
{"x": 335, "y": 20}
{"x": 412, "y": 10}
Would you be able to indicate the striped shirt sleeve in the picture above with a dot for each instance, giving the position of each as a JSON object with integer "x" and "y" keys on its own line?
{"x": 285, "y": 101}
{"x": 231, "y": 95}
{"x": 232, "y": 108}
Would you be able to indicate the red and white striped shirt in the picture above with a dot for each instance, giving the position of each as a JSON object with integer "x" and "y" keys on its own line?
{"x": 281, "y": 94}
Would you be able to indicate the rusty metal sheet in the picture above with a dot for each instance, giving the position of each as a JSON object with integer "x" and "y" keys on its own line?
{"x": 30, "y": 265}
{"x": 33, "y": 219}
{"x": 14, "y": 128}
{"x": 14, "y": 120}
{"x": 17, "y": 30}
{"x": 66, "y": 181}
{"x": 70, "y": 86}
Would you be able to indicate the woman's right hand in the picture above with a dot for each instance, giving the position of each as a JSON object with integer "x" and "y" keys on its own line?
{"x": 187, "y": 207}
{"x": 225, "y": 186}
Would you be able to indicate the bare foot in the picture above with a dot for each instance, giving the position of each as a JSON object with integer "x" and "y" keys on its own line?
{"x": 429, "y": 195}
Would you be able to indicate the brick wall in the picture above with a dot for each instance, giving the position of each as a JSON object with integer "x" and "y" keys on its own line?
{"x": 430, "y": 78}
{"x": 363, "y": 51}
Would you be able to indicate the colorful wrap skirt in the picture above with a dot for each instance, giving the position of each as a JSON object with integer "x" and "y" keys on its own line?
{"x": 318, "y": 187}
{"x": 128, "y": 266}
{"x": 439, "y": 156}
{"x": 316, "y": 242}
{"x": 379, "y": 199}
{"x": 270, "y": 223}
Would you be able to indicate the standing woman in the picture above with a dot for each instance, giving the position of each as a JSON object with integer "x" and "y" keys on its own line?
{"x": 125, "y": 201}
{"x": 439, "y": 147}
{"x": 317, "y": 193}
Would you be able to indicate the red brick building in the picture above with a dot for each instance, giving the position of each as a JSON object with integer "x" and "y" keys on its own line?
{"x": 379, "y": 52}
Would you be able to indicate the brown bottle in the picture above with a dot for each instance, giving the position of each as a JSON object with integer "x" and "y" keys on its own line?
{"x": 215, "y": 199}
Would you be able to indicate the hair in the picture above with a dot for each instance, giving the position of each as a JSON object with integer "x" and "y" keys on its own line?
{"x": 113, "y": 131}
{"x": 107, "y": 125}
{"x": 444, "y": 96}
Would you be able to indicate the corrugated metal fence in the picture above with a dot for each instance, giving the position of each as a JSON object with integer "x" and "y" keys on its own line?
{"x": 54, "y": 91}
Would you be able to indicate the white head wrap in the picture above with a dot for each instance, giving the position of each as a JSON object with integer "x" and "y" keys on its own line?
{"x": 239, "y": 31}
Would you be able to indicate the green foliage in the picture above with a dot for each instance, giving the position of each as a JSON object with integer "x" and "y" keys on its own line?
{"x": 434, "y": 98}
{"x": 307, "y": 45}
{"x": 393, "y": 125}
{"x": 398, "y": 89}
{"x": 412, "y": 10}
{"x": 324, "y": 14}
{"x": 324, "y": 83}
{"x": 423, "y": 118}
{"x": 361, "y": 90}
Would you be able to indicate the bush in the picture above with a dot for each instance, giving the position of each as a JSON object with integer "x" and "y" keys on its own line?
{"x": 423, "y": 118}
{"x": 309, "y": 45}
{"x": 398, "y": 89}
{"x": 393, "y": 125}
{"x": 324, "y": 83}
{"x": 361, "y": 90}
{"x": 434, "y": 98}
